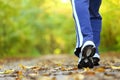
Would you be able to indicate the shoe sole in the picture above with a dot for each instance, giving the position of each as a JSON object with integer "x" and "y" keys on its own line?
{"x": 88, "y": 51}
{"x": 96, "y": 61}
{"x": 86, "y": 62}
{"x": 87, "y": 54}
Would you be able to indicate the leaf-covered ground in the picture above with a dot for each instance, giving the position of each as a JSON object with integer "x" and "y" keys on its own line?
{"x": 60, "y": 67}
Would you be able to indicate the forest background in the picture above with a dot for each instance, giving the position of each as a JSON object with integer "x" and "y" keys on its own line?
{"x": 31, "y": 28}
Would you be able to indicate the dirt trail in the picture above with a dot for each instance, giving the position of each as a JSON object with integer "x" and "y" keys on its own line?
{"x": 61, "y": 67}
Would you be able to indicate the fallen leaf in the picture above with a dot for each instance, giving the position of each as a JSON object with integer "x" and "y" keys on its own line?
{"x": 1, "y": 67}
{"x": 8, "y": 71}
{"x": 29, "y": 67}
{"x": 44, "y": 78}
{"x": 74, "y": 68}
{"x": 33, "y": 75}
{"x": 53, "y": 78}
{"x": 115, "y": 67}
{"x": 77, "y": 77}
{"x": 19, "y": 72}
{"x": 18, "y": 78}
{"x": 63, "y": 69}
{"x": 19, "y": 75}
{"x": 46, "y": 74}
{"x": 86, "y": 69}
{"x": 91, "y": 73}
{"x": 22, "y": 66}
{"x": 101, "y": 69}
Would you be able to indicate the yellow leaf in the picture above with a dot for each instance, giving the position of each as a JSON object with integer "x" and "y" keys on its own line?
{"x": 115, "y": 67}
{"x": 44, "y": 78}
{"x": 29, "y": 67}
{"x": 77, "y": 77}
{"x": 22, "y": 66}
{"x": 8, "y": 71}
{"x": 33, "y": 75}
{"x": 63, "y": 69}
{"x": 1, "y": 67}
{"x": 86, "y": 69}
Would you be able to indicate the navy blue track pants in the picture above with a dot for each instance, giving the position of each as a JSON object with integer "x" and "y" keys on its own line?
{"x": 88, "y": 21}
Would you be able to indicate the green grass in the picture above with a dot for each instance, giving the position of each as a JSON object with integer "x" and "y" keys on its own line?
{"x": 21, "y": 55}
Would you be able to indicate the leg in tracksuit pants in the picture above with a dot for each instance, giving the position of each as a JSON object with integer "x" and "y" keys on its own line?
{"x": 88, "y": 25}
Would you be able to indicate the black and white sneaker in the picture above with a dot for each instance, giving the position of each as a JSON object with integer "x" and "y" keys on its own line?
{"x": 86, "y": 55}
{"x": 96, "y": 59}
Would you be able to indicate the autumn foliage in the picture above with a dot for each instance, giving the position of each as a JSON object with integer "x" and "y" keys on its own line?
{"x": 33, "y": 27}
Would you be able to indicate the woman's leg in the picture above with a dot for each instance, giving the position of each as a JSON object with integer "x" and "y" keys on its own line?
{"x": 96, "y": 21}
{"x": 85, "y": 47}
